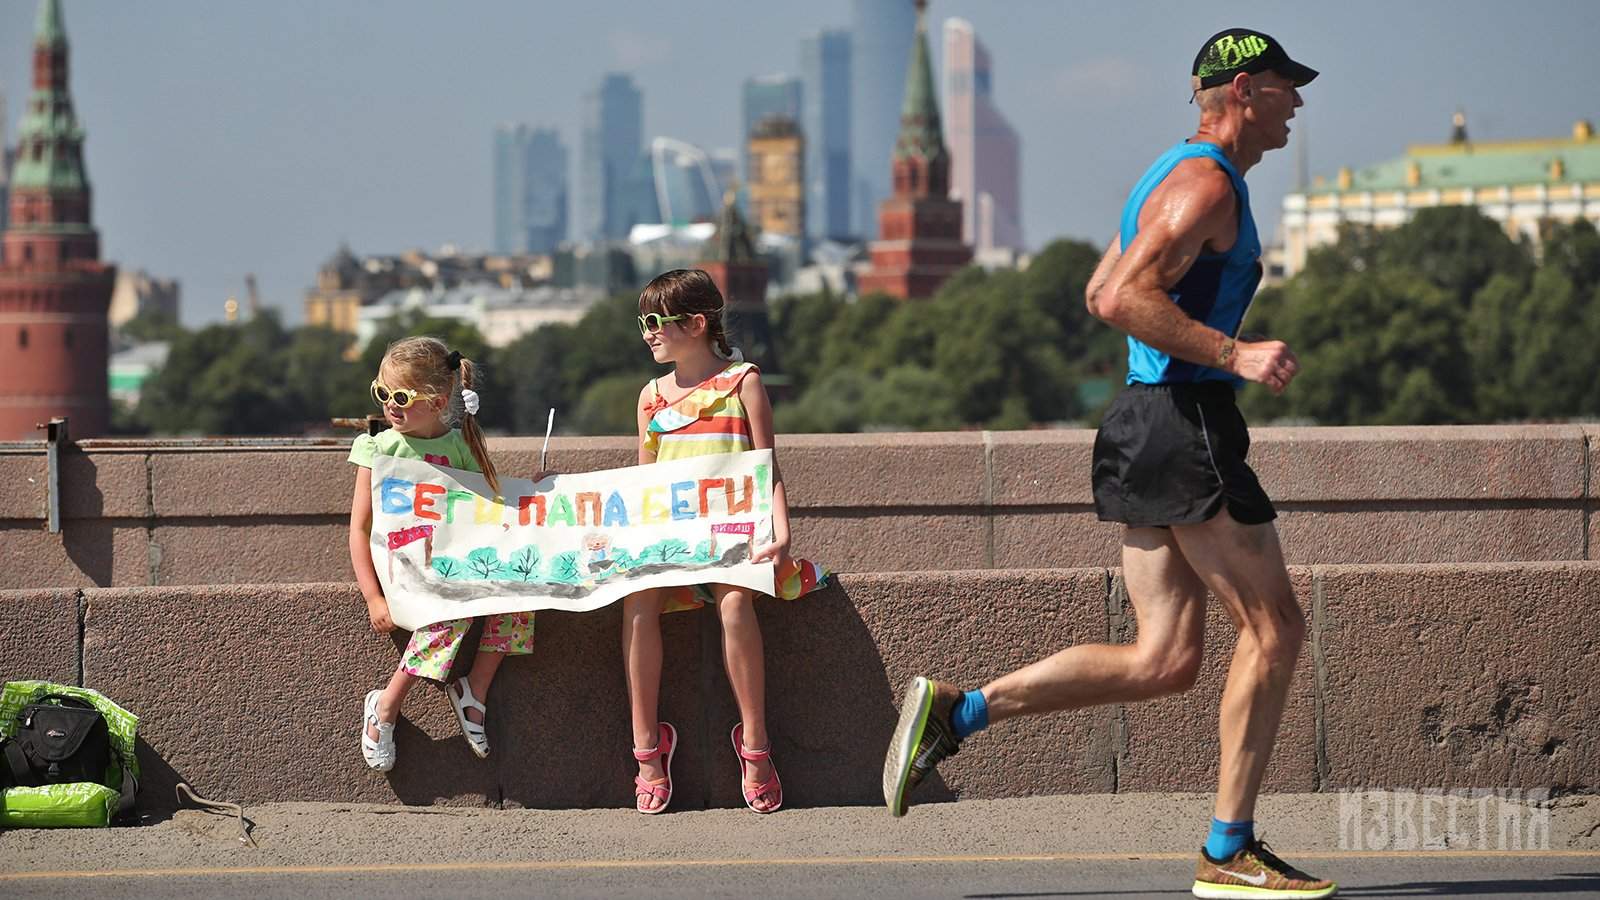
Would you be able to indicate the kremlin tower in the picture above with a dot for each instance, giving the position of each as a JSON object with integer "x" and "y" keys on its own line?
{"x": 54, "y": 290}
{"x": 919, "y": 227}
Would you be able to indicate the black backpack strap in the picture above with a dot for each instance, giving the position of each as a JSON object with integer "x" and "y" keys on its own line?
{"x": 21, "y": 773}
{"x": 130, "y": 790}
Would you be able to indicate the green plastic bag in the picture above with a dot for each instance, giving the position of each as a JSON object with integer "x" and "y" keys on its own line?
{"x": 84, "y": 804}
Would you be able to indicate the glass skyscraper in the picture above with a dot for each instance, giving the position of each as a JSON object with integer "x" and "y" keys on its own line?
{"x": 985, "y": 151}
{"x": 825, "y": 122}
{"x": 881, "y": 50}
{"x": 612, "y": 140}
{"x": 530, "y": 189}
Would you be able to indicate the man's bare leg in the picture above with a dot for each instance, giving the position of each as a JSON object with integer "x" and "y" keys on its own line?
{"x": 1169, "y": 604}
{"x": 1243, "y": 565}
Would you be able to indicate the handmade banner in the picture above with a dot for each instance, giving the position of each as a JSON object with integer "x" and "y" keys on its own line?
{"x": 445, "y": 548}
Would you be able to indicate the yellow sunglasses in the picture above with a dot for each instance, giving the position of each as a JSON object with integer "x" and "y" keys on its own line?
{"x": 652, "y": 323}
{"x": 401, "y": 397}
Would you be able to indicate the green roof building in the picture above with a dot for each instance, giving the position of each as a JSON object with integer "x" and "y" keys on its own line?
{"x": 1519, "y": 184}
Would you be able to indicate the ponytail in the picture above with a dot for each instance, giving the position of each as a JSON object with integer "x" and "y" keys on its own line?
{"x": 470, "y": 429}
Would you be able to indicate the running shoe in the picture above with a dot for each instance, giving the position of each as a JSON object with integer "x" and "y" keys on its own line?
{"x": 922, "y": 739}
{"x": 1256, "y": 872}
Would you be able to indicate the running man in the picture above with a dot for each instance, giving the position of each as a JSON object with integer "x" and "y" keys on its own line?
{"x": 1169, "y": 463}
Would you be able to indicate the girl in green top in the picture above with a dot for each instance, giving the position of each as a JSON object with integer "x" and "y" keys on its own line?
{"x": 423, "y": 387}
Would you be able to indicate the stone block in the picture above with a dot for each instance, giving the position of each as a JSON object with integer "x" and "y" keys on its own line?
{"x": 41, "y": 635}
{"x": 1430, "y": 532}
{"x": 87, "y": 553}
{"x": 1461, "y": 676}
{"x": 24, "y": 492}
{"x": 1062, "y": 537}
{"x": 846, "y": 471}
{"x": 889, "y": 540}
{"x": 1478, "y": 462}
{"x": 299, "y": 481}
{"x": 1172, "y": 742}
{"x": 253, "y": 550}
{"x": 105, "y": 485}
{"x": 1035, "y": 468}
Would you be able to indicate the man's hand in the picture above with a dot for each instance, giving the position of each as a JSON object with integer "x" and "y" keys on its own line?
{"x": 378, "y": 615}
{"x": 1264, "y": 362}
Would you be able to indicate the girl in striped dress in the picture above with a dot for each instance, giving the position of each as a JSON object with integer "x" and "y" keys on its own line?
{"x": 711, "y": 402}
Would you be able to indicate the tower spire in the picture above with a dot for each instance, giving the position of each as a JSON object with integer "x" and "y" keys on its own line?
{"x": 48, "y": 28}
{"x": 921, "y": 132}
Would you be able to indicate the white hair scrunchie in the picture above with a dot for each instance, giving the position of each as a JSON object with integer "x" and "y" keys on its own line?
{"x": 469, "y": 399}
{"x": 736, "y": 355}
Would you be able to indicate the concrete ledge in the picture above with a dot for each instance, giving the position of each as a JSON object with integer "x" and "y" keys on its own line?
{"x": 207, "y": 511}
{"x": 1414, "y": 676}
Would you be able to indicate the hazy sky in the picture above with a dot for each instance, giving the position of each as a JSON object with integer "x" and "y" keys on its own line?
{"x": 234, "y": 137}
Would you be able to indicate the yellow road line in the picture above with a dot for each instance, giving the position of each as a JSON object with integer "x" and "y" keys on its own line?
{"x": 560, "y": 865}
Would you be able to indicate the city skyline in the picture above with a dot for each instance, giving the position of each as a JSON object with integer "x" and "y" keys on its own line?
{"x": 260, "y": 137}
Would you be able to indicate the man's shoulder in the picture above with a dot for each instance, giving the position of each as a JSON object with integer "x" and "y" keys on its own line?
{"x": 1201, "y": 179}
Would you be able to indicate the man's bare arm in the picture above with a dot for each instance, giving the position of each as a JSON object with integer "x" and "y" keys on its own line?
{"x": 1102, "y": 271}
{"x": 1193, "y": 207}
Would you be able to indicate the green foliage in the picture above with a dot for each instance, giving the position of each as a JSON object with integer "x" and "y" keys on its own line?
{"x": 151, "y": 325}
{"x": 1444, "y": 319}
{"x": 485, "y": 563}
{"x": 223, "y": 379}
{"x": 448, "y": 568}
{"x": 524, "y": 564}
{"x": 673, "y": 550}
{"x": 564, "y": 568}
{"x": 609, "y": 406}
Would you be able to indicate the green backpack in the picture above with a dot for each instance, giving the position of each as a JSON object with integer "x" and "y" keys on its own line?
{"x": 94, "y": 803}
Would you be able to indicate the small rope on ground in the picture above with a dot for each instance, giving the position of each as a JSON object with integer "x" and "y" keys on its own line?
{"x": 219, "y": 806}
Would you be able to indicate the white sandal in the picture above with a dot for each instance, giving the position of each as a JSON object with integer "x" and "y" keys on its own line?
{"x": 477, "y": 737}
{"x": 379, "y": 753}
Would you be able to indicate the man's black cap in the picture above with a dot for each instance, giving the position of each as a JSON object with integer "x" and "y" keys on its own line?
{"x": 1227, "y": 53}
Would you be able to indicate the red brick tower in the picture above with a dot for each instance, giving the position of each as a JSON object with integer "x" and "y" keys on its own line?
{"x": 919, "y": 227}
{"x": 54, "y": 290}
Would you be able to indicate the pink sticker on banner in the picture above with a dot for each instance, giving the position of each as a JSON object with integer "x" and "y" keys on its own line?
{"x": 748, "y": 529}
{"x": 404, "y": 536}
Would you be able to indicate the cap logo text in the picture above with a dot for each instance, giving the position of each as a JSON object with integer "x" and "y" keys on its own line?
{"x": 1232, "y": 51}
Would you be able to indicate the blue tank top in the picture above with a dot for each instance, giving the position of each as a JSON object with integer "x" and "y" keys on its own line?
{"x": 1218, "y": 287}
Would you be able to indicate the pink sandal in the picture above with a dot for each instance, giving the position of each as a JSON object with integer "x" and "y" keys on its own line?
{"x": 751, "y": 791}
{"x": 666, "y": 745}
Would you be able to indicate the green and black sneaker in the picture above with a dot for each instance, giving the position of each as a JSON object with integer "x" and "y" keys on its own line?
{"x": 922, "y": 738}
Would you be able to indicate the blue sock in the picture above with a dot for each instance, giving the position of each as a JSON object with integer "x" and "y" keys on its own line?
{"x": 1228, "y": 838}
{"x": 971, "y": 713}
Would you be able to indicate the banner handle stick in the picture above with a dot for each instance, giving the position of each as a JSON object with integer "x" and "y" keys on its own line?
{"x": 548, "y": 425}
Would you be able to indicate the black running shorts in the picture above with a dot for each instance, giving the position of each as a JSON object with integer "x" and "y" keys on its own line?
{"x": 1173, "y": 454}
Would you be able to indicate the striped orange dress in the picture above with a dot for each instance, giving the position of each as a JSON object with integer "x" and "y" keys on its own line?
{"x": 712, "y": 419}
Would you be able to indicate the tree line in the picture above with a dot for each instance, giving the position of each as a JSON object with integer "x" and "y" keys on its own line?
{"x": 1442, "y": 320}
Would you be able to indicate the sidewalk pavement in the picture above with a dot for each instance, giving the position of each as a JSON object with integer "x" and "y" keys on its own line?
{"x": 1086, "y": 827}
